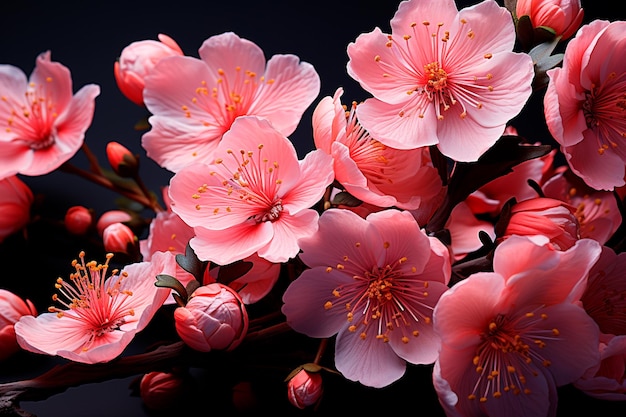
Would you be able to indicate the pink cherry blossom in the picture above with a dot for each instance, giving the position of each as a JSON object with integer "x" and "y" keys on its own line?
{"x": 16, "y": 199}
{"x": 596, "y": 210}
{"x": 195, "y": 101}
{"x": 607, "y": 380}
{"x": 584, "y": 104}
{"x": 12, "y": 308}
{"x": 373, "y": 282}
{"x": 43, "y": 124}
{"x": 370, "y": 171}
{"x": 442, "y": 76}
{"x": 98, "y": 316}
{"x": 255, "y": 196}
{"x": 137, "y": 60}
{"x": 562, "y": 16}
{"x": 507, "y": 335}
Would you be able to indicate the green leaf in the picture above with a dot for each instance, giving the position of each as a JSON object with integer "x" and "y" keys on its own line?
{"x": 168, "y": 281}
{"x": 190, "y": 263}
{"x": 344, "y": 198}
{"x": 231, "y": 272}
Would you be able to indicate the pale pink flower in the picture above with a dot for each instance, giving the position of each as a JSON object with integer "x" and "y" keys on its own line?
{"x": 561, "y": 16}
{"x": 195, "y": 101}
{"x": 596, "y": 210}
{"x": 12, "y": 308}
{"x": 98, "y": 316}
{"x": 603, "y": 298}
{"x": 465, "y": 228}
{"x": 137, "y": 60}
{"x": 255, "y": 196}
{"x": 373, "y": 282}
{"x": 607, "y": 380}
{"x": 584, "y": 104}
{"x": 305, "y": 389}
{"x": 511, "y": 336}
{"x": 43, "y": 124}
{"x": 16, "y": 199}
{"x": 442, "y": 76}
{"x": 367, "y": 169}
{"x": 214, "y": 318}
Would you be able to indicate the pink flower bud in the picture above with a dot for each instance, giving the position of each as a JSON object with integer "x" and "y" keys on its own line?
{"x": 15, "y": 201}
{"x": 118, "y": 237}
{"x": 214, "y": 318}
{"x": 12, "y": 308}
{"x": 547, "y": 217}
{"x": 564, "y": 17}
{"x": 110, "y": 217}
{"x": 78, "y": 220}
{"x": 305, "y": 389}
{"x": 123, "y": 162}
{"x": 137, "y": 60}
{"x": 161, "y": 390}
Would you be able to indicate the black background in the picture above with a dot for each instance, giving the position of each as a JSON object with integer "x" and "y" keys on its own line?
{"x": 87, "y": 37}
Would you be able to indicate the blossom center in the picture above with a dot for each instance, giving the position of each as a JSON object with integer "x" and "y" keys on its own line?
{"x": 32, "y": 119}
{"x": 100, "y": 304}
{"x": 509, "y": 352}
{"x": 436, "y": 77}
{"x": 380, "y": 301}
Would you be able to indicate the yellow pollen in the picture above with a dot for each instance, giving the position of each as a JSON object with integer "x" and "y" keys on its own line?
{"x": 555, "y": 332}
{"x": 405, "y": 340}
{"x": 386, "y": 245}
{"x": 488, "y": 56}
{"x": 328, "y": 305}
{"x": 328, "y": 269}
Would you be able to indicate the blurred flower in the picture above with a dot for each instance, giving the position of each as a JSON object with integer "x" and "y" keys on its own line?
{"x": 43, "y": 125}
{"x": 195, "y": 101}
{"x": 137, "y": 60}
{"x": 607, "y": 380}
{"x": 584, "y": 104}
{"x": 305, "y": 389}
{"x": 78, "y": 220}
{"x": 255, "y": 197}
{"x": 441, "y": 72}
{"x": 214, "y": 318}
{"x": 99, "y": 316}
{"x": 117, "y": 237}
{"x": 16, "y": 199}
{"x": 561, "y": 16}
{"x": 161, "y": 391}
{"x": 123, "y": 162}
{"x": 547, "y": 217}
{"x": 12, "y": 308}
{"x": 112, "y": 216}
{"x": 373, "y": 282}
{"x": 367, "y": 169}
{"x": 596, "y": 210}
{"x": 508, "y": 335}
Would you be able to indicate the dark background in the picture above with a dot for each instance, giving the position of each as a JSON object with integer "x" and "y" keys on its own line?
{"x": 87, "y": 37}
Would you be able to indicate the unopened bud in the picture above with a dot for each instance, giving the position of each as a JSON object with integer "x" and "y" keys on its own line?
{"x": 119, "y": 238}
{"x": 122, "y": 160}
{"x": 305, "y": 389}
{"x": 78, "y": 220}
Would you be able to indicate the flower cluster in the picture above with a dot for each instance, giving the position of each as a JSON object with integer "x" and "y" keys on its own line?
{"x": 422, "y": 232}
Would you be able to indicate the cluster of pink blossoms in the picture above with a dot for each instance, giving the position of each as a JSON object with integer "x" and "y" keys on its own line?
{"x": 409, "y": 236}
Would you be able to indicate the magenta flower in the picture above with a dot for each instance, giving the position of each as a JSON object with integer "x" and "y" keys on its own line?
{"x": 254, "y": 197}
{"x": 508, "y": 335}
{"x": 195, "y": 101}
{"x": 442, "y": 76}
{"x": 99, "y": 316}
{"x": 373, "y": 282}
{"x": 367, "y": 169}
{"x": 584, "y": 104}
{"x": 43, "y": 125}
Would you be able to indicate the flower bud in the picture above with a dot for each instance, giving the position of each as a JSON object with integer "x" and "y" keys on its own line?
{"x": 16, "y": 199}
{"x": 110, "y": 217}
{"x": 214, "y": 318}
{"x": 548, "y": 217}
{"x": 137, "y": 60}
{"x": 78, "y": 220}
{"x": 305, "y": 389}
{"x": 118, "y": 237}
{"x": 123, "y": 162}
{"x": 12, "y": 308}
{"x": 563, "y": 17}
{"x": 161, "y": 390}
